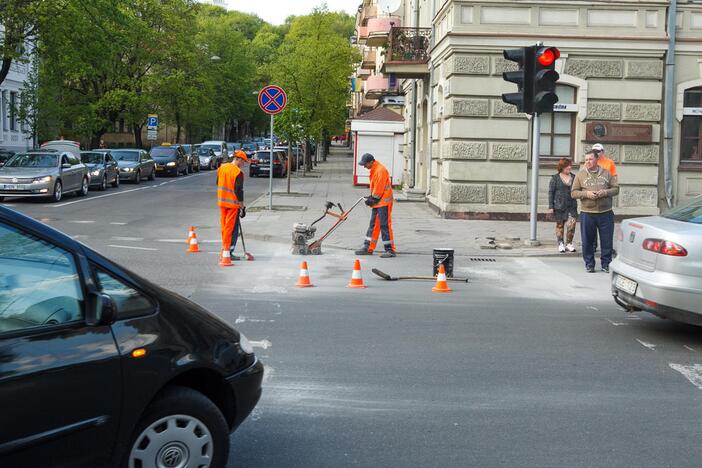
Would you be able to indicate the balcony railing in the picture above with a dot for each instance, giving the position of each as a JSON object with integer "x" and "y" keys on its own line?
{"x": 379, "y": 29}
{"x": 409, "y": 45}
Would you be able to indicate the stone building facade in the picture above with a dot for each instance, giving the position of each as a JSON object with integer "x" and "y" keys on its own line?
{"x": 468, "y": 152}
{"x": 13, "y": 135}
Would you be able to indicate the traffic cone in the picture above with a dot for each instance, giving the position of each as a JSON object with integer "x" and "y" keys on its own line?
{"x": 191, "y": 233}
{"x": 225, "y": 258}
{"x": 304, "y": 280}
{"x": 441, "y": 283}
{"x": 193, "y": 245}
{"x": 356, "y": 279}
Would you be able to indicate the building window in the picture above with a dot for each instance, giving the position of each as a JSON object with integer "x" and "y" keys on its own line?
{"x": 13, "y": 111}
{"x": 691, "y": 133}
{"x": 558, "y": 127}
{"x": 3, "y": 110}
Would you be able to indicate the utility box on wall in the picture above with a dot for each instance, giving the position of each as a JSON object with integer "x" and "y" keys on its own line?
{"x": 380, "y": 133}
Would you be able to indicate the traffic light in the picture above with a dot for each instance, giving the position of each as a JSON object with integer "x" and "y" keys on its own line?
{"x": 524, "y": 77}
{"x": 545, "y": 78}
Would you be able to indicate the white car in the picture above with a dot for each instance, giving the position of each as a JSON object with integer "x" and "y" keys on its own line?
{"x": 219, "y": 147}
{"x": 659, "y": 264}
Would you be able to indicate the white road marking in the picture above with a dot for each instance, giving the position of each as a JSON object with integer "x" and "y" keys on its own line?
{"x": 79, "y": 236}
{"x": 264, "y": 344}
{"x": 162, "y": 184}
{"x": 692, "y": 373}
{"x": 82, "y": 222}
{"x": 242, "y": 319}
{"x": 128, "y": 239}
{"x": 118, "y": 224}
{"x": 689, "y": 348}
{"x": 593, "y": 308}
{"x": 9, "y": 204}
{"x": 199, "y": 241}
{"x": 133, "y": 247}
{"x": 633, "y": 317}
{"x": 101, "y": 196}
{"x": 650, "y": 346}
{"x": 616, "y": 324}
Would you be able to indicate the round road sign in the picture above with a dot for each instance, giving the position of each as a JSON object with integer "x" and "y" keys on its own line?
{"x": 272, "y": 99}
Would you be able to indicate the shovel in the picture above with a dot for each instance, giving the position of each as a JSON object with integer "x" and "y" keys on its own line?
{"x": 387, "y": 277}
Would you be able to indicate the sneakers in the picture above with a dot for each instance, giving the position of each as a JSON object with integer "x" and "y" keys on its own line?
{"x": 605, "y": 269}
{"x": 590, "y": 269}
{"x": 363, "y": 251}
{"x": 570, "y": 248}
{"x": 388, "y": 254}
{"x": 561, "y": 247}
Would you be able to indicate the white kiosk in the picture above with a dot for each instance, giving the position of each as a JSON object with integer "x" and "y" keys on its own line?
{"x": 380, "y": 133}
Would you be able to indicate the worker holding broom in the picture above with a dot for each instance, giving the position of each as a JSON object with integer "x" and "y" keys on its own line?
{"x": 380, "y": 200}
{"x": 230, "y": 199}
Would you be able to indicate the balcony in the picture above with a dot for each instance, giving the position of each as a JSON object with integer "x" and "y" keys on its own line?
{"x": 377, "y": 86}
{"x": 407, "y": 55}
{"x": 369, "y": 60}
{"x": 363, "y": 73}
{"x": 362, "y": 35}
{"x": 367, "y": 12}
{"x": 379, "y": 30}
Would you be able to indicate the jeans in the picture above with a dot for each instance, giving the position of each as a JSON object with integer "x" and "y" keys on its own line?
{"x": 592, "y": 224}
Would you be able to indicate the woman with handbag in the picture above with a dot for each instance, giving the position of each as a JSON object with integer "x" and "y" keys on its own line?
{"x": 562, "y": 206}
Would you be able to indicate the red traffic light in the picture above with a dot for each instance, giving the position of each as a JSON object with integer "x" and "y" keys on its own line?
{"x": 547, "y": 56}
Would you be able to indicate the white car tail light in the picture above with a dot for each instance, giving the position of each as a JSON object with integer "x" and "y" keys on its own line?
{"x": 664, "y": 247}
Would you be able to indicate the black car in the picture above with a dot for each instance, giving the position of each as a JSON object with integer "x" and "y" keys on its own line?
{"x": 102, "y": 168}
{"x": 193, "y": 159}
{"x": 260, "y": 164}
{"x": 5, "y": 156}
{"x": 99, "y": 367}
{"x": 170, "y": 160}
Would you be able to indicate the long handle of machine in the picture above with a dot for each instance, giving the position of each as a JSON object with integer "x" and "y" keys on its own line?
{"x": 342, "y": 217}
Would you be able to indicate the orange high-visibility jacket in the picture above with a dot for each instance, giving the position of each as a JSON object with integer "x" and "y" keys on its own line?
{"x": 605, "y": 163}
{"x": 380, "y": 184}
{"x": 226, "y": 186}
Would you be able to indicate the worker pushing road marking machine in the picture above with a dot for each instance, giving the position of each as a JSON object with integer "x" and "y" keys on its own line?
{"x": 302, "y": 233}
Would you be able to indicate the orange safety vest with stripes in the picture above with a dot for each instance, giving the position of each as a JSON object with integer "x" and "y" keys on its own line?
{"x": 226, "y": 182}
{"x": 380, "y": 184}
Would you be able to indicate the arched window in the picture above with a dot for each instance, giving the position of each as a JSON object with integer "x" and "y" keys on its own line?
{"x": 558, "y": 127}
{"x": 691, "y": 128}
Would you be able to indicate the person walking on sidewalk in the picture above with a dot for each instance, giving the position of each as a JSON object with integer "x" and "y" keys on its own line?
{"x": 562, "y": 205}
{"x": 595, "y": 187}
{"x": 230, "y": 199}
{"x": 381, "y": 201}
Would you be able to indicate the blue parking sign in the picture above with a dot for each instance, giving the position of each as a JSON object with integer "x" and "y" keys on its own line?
{"x": 152, "y": 120}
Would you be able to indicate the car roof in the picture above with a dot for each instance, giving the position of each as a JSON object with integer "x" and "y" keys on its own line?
{"x": 15, "y": 217}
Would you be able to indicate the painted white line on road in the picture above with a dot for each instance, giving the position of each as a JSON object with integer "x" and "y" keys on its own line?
{"x": 79, "y": 236}
{"x": 242, "y": 319}
{"x": 650, "y": 346}
{"x": 263, "y": 344}
{"x": 82, "y": 222}
{"x": 128, "y": 239}
{"x": 133, "y": 247}
{"x": 689, "y": 348}
{"x": 593, "y": 308}
{"x": 616, "y": 324}
{"x": 179, "y": 241}
{"x": 692, "y": 373}
{"x": 118, "y": 224}
{"x": 101, "y": 196}
{"x": 162, "y": 184}
{"x": 9, "y": 204}
{"x": 633, "y": 317}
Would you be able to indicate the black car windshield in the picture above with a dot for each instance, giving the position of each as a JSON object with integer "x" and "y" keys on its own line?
{"x": 690, "y": 212}
{"x": 162, "y": 152}
{"x": 91, "y": 158}
{"x": 126, "y": 155}
{"x": 33, "y": 160}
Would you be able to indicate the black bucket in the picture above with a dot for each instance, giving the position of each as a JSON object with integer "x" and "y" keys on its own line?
{"x": 444, "y": 256}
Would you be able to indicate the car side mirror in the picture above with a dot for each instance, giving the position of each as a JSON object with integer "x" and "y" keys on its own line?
{"x": 101, "y": 310}
{"x": 66, "y": 166}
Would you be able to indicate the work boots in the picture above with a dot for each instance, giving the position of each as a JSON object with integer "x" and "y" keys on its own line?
{"x": 388, "y": 254}
{"x": 363, "y": 251}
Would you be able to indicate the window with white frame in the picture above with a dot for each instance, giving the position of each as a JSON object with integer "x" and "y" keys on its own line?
{"x": 558, "y": 127}
{"x": 12, "y": 114}
{"x": 3, "y": 110}
{"x": 691, "y": 127}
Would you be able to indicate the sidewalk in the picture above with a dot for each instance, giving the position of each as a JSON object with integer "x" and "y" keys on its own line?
{"x": 416, "y": 227}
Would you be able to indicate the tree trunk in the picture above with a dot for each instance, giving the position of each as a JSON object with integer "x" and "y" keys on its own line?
{"x": 308, "y": 156}
{"x": 325, "y": 146}
{"x": 137, "y": 136}
{"x": 178, "y": 127}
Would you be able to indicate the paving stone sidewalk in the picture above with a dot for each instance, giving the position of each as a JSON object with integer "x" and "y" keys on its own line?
{"x": 417, "y": 228}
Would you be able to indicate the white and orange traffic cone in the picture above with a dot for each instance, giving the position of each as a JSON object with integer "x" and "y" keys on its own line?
{"x": 441, "y": 283}
{"x": 193, "y": 246}
{"x": 191, "y": 233}
{"x": 304, "y": 280}
{"x": 225, "y": 258}
{"x": 356, "y": 279}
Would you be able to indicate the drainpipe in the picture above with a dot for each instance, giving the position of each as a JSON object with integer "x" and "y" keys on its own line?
{"x": 669, "y": 103}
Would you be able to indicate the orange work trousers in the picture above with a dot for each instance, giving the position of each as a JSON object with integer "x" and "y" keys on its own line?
{"x": 227, "y": 220}
{"x": 377, "y": 226}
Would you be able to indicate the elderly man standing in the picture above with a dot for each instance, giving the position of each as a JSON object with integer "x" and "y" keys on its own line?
{"x": 595, "y": 186}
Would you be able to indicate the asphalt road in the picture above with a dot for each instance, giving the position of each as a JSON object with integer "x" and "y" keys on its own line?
{"x": 530, "y": 364}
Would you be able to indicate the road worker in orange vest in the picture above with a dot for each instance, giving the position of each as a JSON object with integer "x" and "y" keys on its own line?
{"x": 380, "y": 200}
{"x": 230, "y": 199}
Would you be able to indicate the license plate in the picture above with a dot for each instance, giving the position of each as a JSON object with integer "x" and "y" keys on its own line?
{"x": 625, "y": 284}
{"x": 11, "y": 187}
{"x": 264, "y": 168}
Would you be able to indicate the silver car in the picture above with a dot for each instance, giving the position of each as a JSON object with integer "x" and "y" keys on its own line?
{"x": 43, "y": 174}
{"x": 102, "y": 168}
{"x": 134, "y": 164}
{"x": 659, "y": 264}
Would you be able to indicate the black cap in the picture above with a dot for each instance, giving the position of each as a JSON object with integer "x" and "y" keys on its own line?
{"x": 365, "y": 159}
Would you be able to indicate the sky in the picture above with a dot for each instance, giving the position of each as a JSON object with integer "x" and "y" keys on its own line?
{"x": 275, "y": 11}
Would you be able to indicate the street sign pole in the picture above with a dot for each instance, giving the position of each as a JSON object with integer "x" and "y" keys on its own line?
{"x": 272, "y": 100}
{"x": 270, "y": 173}
{"x": 535, "y": 135}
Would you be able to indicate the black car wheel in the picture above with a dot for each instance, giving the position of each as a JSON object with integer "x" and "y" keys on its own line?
{"x": 84, "y": 187}
{"x": 211, "y": 165}
{"x": 103, "y": 184}
{"x": 115, "y": 183}
{"x": 58, "y": 192}
{"x": 137, "y": 177}
{"x": 182, "y": 427}
{"x": 152, "y": 176}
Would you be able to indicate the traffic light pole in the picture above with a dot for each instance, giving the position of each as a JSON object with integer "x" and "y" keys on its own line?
{"x": 535, "y": 137}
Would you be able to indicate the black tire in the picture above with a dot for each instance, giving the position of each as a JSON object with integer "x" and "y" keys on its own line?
{"x": 137, "y": 178}
{"x": 84, "y": 187}
{"x": 58, "y": 192}
{"x": 181, "y": 401}
{"x": 103, "y": 184}
{"x": 115, "y": 183}
{"x": 211, "y": 165}
{"x": 152, "y": 176}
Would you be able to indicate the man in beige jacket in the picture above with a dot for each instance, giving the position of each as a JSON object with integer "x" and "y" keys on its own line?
{"x": 594, "y": 186}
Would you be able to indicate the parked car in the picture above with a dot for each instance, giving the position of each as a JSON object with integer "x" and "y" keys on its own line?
{"x": 5, "y": 155}
{"x": 43, "y": 173}
{"x": 134, "y": 164}
{"x": 249, "y": 149}
{"x": 104, "y": 368}
{"x": 208, "y": 158}
{"x": 169, "y": 160}
{"x": 296, "y": 155}
{"x": 102, "y": 168}
{"x": 260, "y": 164}
{"x": 193, "y": 159}
{"x": 659, "y": 264}
{"x": 66, "y": 146}
{"x": 219, "y": 147}
{"x": 231, "y": 148}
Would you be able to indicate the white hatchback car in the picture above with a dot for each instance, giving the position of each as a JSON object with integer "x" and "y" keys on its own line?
{"x": 659, "y": 264}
